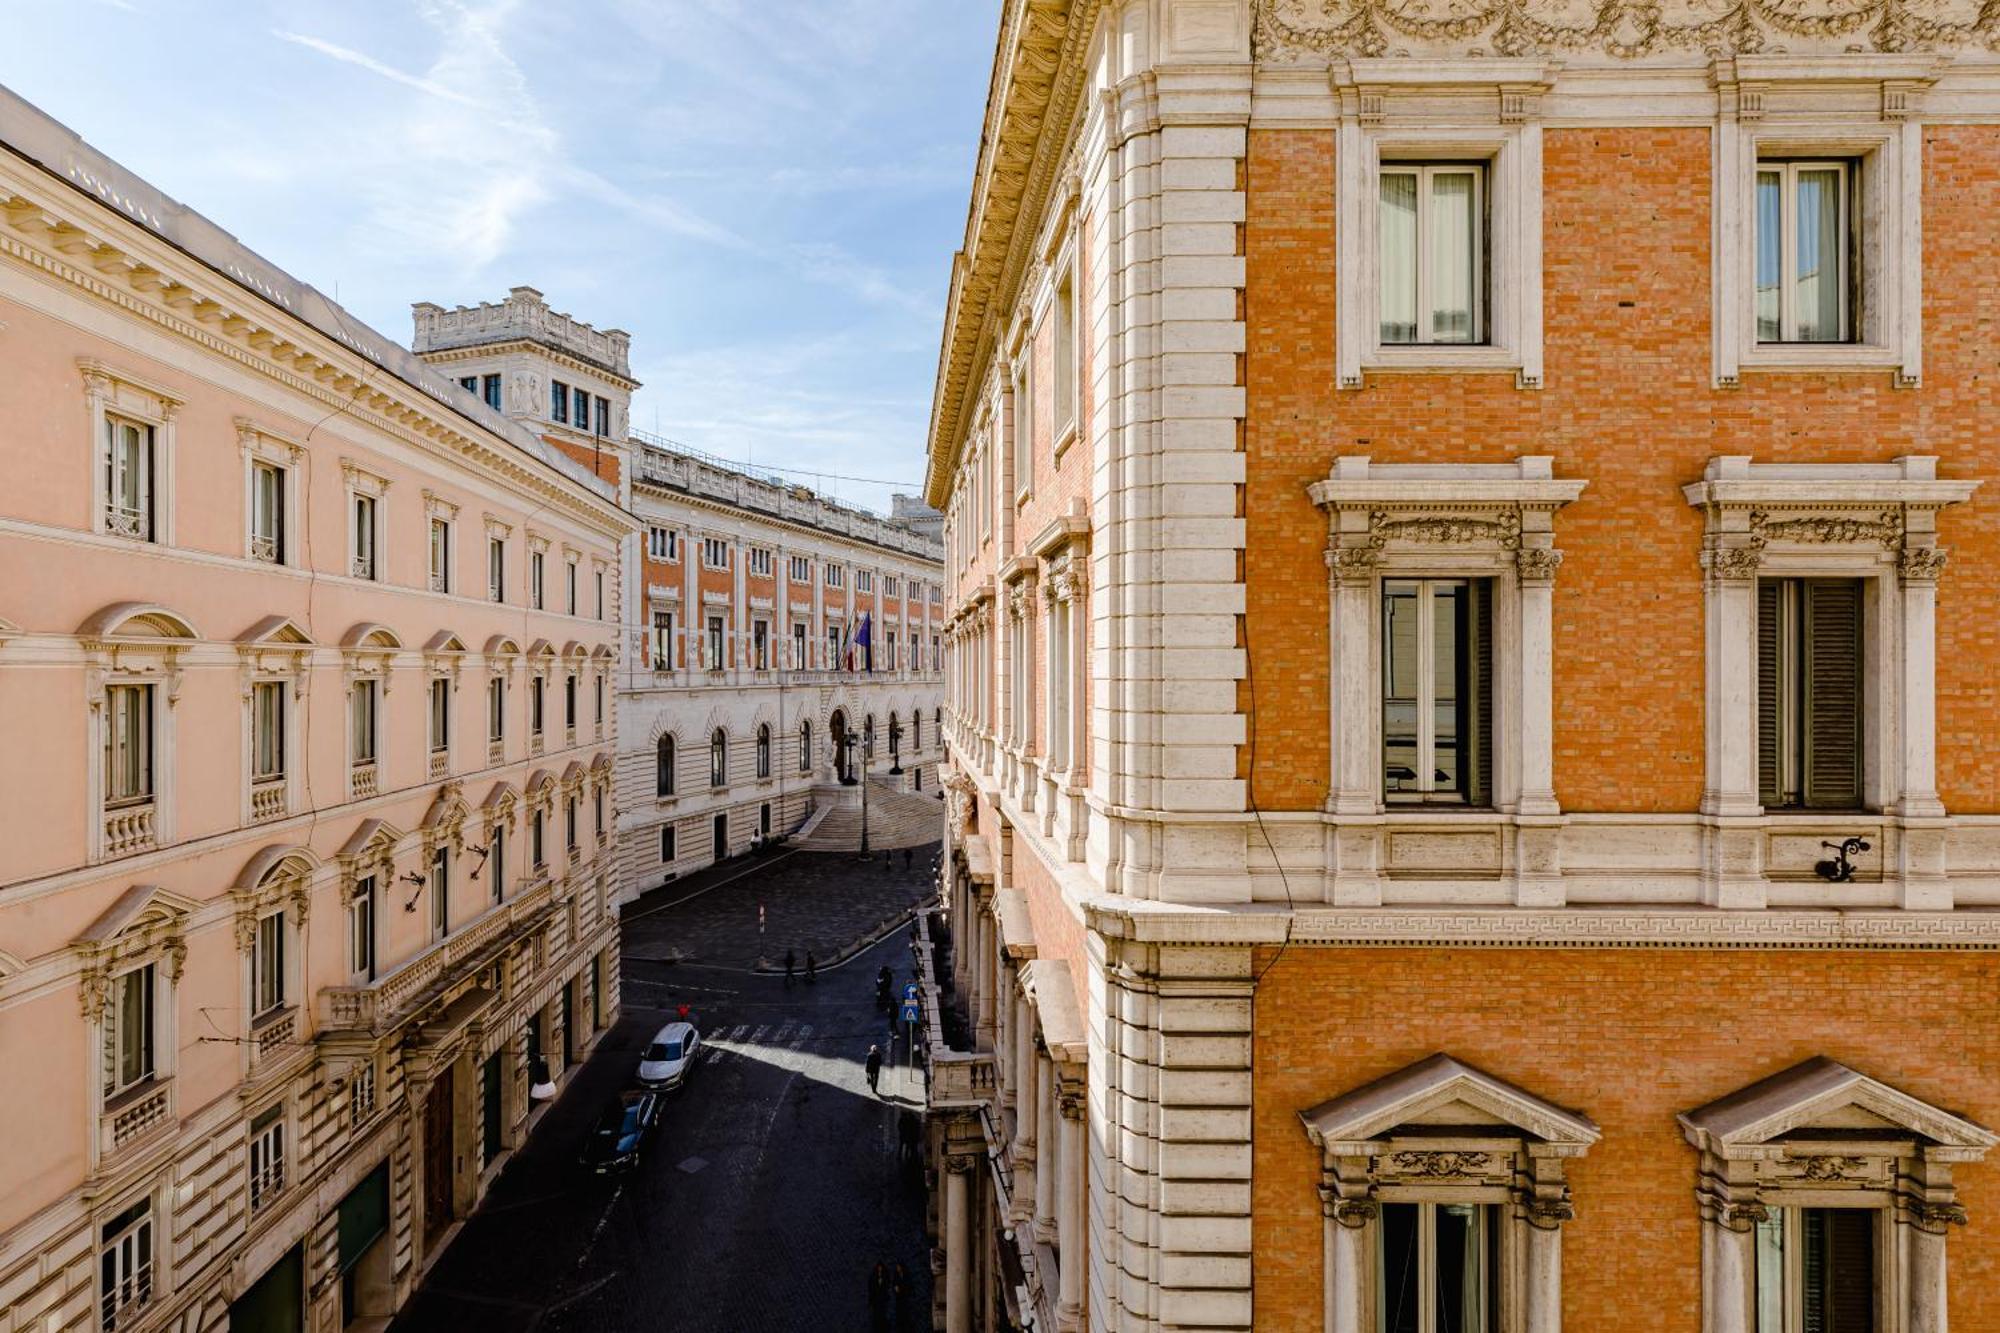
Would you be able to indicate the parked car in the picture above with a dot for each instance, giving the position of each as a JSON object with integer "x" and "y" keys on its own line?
{"x": 614, "y": 1140}
{"x": 667, "y": 1060}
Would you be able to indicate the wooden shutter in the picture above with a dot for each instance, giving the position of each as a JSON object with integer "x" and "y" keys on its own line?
{"x": 1479, "y": 698}
{"x": 1770, "y": 693}
{"x": 1832, "y": 710}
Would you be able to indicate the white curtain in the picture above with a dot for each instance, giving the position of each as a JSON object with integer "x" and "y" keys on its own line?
{"x": 1399, "y": 256}
{"x": 1452, "y": 236}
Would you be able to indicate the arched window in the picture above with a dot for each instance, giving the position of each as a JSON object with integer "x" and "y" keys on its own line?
{"x": 805, "y": 745}
{"x": 718, "y": 758}
{"x": 763, "y": 751}
{"x": 663, "y": 771}
{"x": 917, "y": 731}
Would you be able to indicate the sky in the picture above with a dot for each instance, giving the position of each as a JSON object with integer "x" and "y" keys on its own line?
{"x": 765, "y": 193}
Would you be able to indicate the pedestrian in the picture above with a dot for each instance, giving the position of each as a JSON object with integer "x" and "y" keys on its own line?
{"x": 790, "y": 963}
{"x": 899, "y": 1287}
{"x": 812, "y": 968}
{"x": 908, "y": 1127}
{"x": 874, "y": 1067}
{"x": 878, "y": 1298}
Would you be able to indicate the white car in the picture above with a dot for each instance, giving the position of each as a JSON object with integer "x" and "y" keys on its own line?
{"x": 671, "y": 1054}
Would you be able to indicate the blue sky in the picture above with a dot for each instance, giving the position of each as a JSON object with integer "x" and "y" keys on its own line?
{"x": 766, "y": 193}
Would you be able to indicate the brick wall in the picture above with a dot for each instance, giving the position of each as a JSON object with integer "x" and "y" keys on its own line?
{"x": 1630, "y": 1038}
{"x": 1629, "y": 408}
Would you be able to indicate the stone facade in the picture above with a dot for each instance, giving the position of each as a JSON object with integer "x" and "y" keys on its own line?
{"x": 1188, "y": 463}
{"x": 298, "y": 898}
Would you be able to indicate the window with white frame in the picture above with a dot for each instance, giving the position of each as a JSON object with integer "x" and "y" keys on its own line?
{"x": 125, "y": 1267}
{"x": 559, "y": 401}
{"x": 893, "y": 586}
{"x": 597, "y": 813}
{"x": 537, "y": 851}
{"x": 267, "y": 965}
{"x": 864, "y": 580}
{"x": 440, "y": 714}
{"x": 130, "y": 1032}
{"x": 1810, "y": 672}
{"x": 1439, "y": 1267}
{"x": 835, "y": 576}
{"x": 597, "y": 692}
{"x": 802, "y": 569}
{"x": 1432, "y": 246}
{"x": 1816, "y": 1270}
{"x": 798, "y": 662}
{"x": 805, "y": 745}
{"x": 715, "y": 655}
{"x": 569, "y": 825}
{"x": 363, "y": 722}
{"x": 128, "y": 745}
{"x": 714, "y": 553}
{"x": 537, "y": 562}
{"x": 597, "y": 583}
{"x": 660, "y": 544}
{"x": 496, "y": 569}
{"x": 365, "y": 531}
{"x": 496, "y": 710}
{"x": 760, "y": 561}
{"x": 361, "y": 929}
{"x": 663, "y": 640}
{"x": 1023, "y": 438}
{"x": 1805, "y": 250}
{"x": 1437, "y": 691}
{"x": 129, "y": 473}
{"x": 1066, "y": 358}
{"x": 603, "y": 416}
{"x": 718, "y": 759}
{"x": 569, "y": 702}
{"x": 267, "y": 731}
{"x": 760, "y": 644}
{"x": 833, "y": 642}
{"x": 440, "y": 555}
{"x": 537, "y": 705}
{"x": 667, "y": 849}
{"x": 764, "y": 751}
{"x": 496, "y": 862}
{"x": 664, "y": 774}
{"x": 569, "y": 577}
{"x": 440, "y": 887}
{"x": 267, "y": 1157}
{"x": 267, "y": 513}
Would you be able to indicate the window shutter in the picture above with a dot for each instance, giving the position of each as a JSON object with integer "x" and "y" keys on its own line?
{"x": 1479, "y": 771}
{"x": 1833, "y": 693}
{"x": 1770, "y": 698}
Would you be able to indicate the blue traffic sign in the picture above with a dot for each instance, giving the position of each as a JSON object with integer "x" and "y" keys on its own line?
{"x": 909, "y": 991}
{"x": 912, "y": 1013}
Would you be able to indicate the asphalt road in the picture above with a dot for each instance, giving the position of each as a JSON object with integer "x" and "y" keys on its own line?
{"x": 763, "y": 1201}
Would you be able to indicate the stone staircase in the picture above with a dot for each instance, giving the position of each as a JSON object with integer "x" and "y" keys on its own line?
{"x": 895, "y": 819}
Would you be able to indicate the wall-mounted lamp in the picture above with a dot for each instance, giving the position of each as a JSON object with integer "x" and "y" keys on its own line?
{"x": 1840, "y": 867}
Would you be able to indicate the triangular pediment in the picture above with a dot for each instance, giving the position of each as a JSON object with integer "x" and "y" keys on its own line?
{"x": 1442, "y": 1090}
{"x": 444, "y": 641}
{"x": 1823, "y": 1094}
{"x": 139, "y": 907}
{"x": 278, "y": 630}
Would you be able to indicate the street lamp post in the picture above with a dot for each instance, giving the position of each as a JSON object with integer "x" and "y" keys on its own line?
{"x": 865, "y": 748}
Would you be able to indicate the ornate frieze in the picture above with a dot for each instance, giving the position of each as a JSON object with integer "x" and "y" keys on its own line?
{"x": 1292, "y": 30}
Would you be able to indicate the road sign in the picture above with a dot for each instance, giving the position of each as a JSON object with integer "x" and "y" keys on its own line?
{"x": 909, "y": 991}
{"x": 912, "y": 1012}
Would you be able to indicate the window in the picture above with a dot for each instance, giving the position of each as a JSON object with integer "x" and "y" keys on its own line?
{"x": 128, "y": 745}
{"x": 764, "y": 751}
{"x": 569, "y": 702}
{"x": 1065, "y": 356}
{"x": 889, "y": 648}
{"x": 536, "y": 562}
{"x": 1439, "y": 1268}
{"x": 760, "y": 644}
{"x": 864, "y": 580}
{"x": 128, "y": 1031}
{"x": 1809, "y": 693}
{"x": 267, "y": 513}
{"x": 802, "y": 569}
{"x": 764, "y": 819}
{"x": 836, "y": 577}
{"x": 1432, "y": 247}
{"x": 267, "y": 731}
{"x": 718, "y": 759}
{"x": 569, "y": 824}
{"x": 569, "y": 578}
{"x": 1437, "y": 688}
{"x": 440, "y": 715}
{"x": 440, "y": 555}
{"x": 597, "y": 813}
{"x": 663, "y": 641}
{"x": 267, "y": 965}
{"x": 760, "y": 561}
{"x": 805, "y": 746}
{"x": 799, "y": 645}
{"x": 1805, "y": 251}
{"x": 833, "y": 647}
{"x": 496, "y": 569}
{"x": 537, "y": 854}
{"x": 128, "y": 475}
{"x": 917, "y": 732}
{"x": 1816, "y": 1270}
{"x": 715, "y": 644}
{"x": 895, "y": 739}
{"x": 125, "y": 1266}
{"x": 267, "y": 1156}
{"x": 604, "y": 416}
{"x": 535, "y": 697}
{"x": 598, "y": 577}
{"x": 361, "y": 715}
{"x": 440, "y": 887}
{"x": 496, "y": 854}
{"x": 470, "y": 383}
{"x": 559, "y": 401}
{"x": 496, "y": 710}
{"x": 361, "y": 929}
{"x": 1023, "y": 439}
{"x": 597, "y": 692}
{"x": 667, "y": 851}
{"x": 661, "y": 544}
{"x": 714, "y": 553}
{"x": 892, "y": 586}
{"x": 491, "y": 387}
{"x": 366, "y": 532}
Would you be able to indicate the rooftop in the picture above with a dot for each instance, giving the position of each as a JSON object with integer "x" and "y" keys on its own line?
{"x": 523, "y": 316}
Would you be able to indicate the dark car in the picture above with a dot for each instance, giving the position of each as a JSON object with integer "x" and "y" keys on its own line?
{"x": 614, "y": 1140}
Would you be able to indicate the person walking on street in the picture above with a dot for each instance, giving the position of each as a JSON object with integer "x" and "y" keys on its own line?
{"x": 812, "y": 968}
{"x": 790, "y": 963}
{"x": 899, "y": 1288}
{"x": 878, "y": 1298}
{"x": 874, "y": 1067}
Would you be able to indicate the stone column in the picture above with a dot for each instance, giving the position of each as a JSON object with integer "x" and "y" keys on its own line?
{"x": 958, "y": 1243}
{"x": 1069, "y": 1212}
{"x": 1733, "y": 874}
{"x": 1348, "y": 1261}
{"x": 1048, "y": 1150}
{"x": 988, "y": 988}
{"x": 1026, "y": 1098}
{"x": 1544, "y": 1275}
{"x": 1354, "y": 716}
{"x": 1927, "y": 1278}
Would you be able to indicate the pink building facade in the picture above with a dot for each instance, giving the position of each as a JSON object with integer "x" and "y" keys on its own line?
{"x": 306, "y": 680}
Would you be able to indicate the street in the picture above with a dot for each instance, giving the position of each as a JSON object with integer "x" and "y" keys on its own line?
{"x": 771, "y": 1187}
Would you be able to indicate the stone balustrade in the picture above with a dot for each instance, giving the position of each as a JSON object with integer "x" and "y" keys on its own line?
{"x": 131, "y": 1117}
{"x": 129, "y": 829}
{"x": 267, "y": 800}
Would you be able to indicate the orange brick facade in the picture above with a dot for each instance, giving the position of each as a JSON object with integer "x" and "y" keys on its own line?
{"x": 1628, "y": 295}
{"x": 1630, "y": 1039}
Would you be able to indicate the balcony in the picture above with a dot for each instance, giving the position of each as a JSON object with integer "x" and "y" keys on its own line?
{"x": 535, "y": 742}
{"x": 133, "y": 1114}
{"x": 496, "y": 752}
{"x": 379, "y": 1006}
{"x": 363, "y": 567}
{"x": 267, "y": 800}
{"x": 361, "y": 783}
{"x": 125, "y": 521}
{"x": 264, "y": 549}
{"x": 129, "y": 829}
{"x": 440, "y": 765}
{"x": 273, "y": 1037}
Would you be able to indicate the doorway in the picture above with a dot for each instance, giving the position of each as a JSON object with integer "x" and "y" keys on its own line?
{"x": 722, "y": 837}
{"x": 438, "y": 1158}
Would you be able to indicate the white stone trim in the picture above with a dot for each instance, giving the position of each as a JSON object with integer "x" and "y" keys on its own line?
{"x": 109, "y": 391}
{"x": 260, "y": 445}
{"x": 1483, "y": 110}
{"x": 1863, "y": 107}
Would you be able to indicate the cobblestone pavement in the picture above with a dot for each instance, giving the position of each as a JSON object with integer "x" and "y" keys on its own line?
{"x": 772, "y": 1186}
